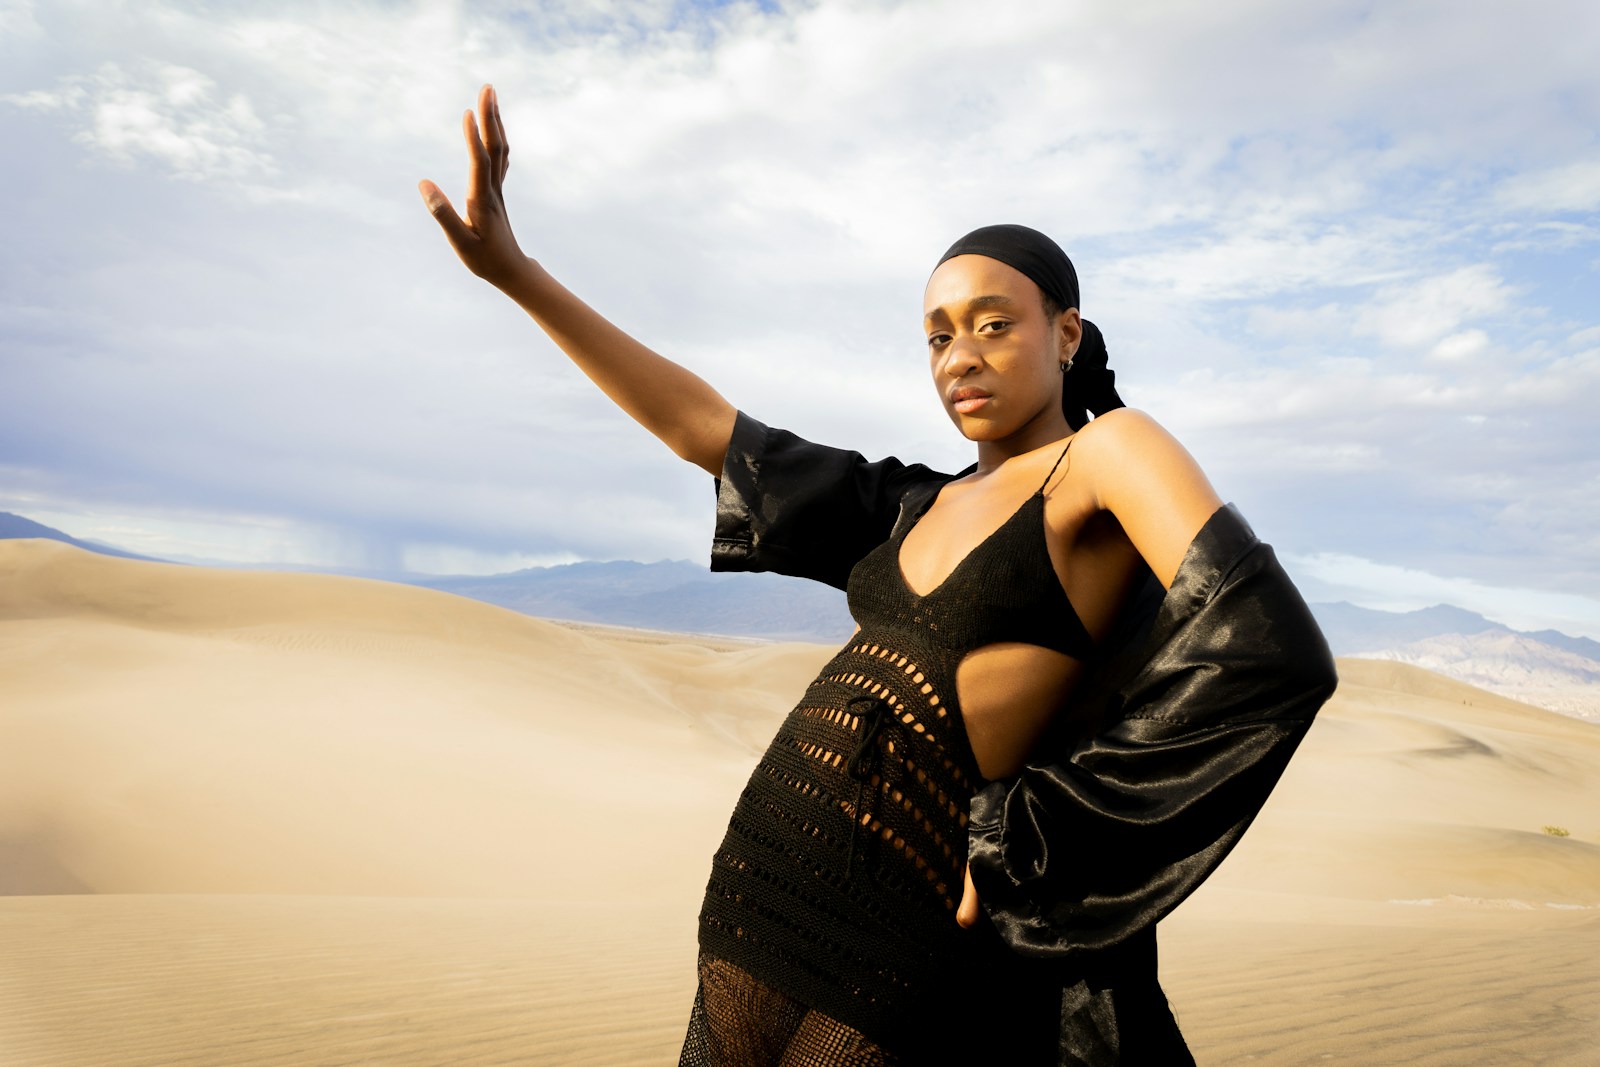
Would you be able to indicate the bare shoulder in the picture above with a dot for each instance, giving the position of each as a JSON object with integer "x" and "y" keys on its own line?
{"x": 1149, "y": 481}
{"x": 1127, "y": 449}
{"x": 1122, "y": 433}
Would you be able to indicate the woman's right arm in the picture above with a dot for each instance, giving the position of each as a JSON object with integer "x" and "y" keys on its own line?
{"x": 676, "y": 405}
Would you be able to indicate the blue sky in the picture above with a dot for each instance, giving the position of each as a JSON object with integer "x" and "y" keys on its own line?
{"x": 1348, "y": 252}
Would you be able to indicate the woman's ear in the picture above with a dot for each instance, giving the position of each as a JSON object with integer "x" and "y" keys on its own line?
{"x": 1069, "y": 328}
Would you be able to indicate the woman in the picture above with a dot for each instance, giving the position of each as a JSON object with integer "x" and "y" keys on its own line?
{"x": 960, "y": 840}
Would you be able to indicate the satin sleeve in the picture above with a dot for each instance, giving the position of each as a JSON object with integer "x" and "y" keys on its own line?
{"x": 1082, "y": 853}
{"x": 793, "y": 506}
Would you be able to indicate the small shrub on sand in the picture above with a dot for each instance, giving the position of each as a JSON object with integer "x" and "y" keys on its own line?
{"x": 1558, "y": 831}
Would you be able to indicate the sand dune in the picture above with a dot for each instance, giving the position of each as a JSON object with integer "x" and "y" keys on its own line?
{"x": 1451, "y": 786}
{"x": 176, "y": 729}
{"x": 251, "y": 818}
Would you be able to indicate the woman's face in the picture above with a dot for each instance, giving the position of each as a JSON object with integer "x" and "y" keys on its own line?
{"x": 995, "y": 356}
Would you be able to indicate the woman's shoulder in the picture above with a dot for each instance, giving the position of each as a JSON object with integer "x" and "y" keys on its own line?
{"x": 1142, "y": 475}
{"x": 1127, "y": 442}
{"x": 1121, "y": 420}
{"x": 1123, "y": 433}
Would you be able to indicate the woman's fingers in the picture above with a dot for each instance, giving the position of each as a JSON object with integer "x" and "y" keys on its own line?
{"x": 455, "y": 230}
{"x": 495, "y": 132}
{"x": 967, "y": 912}
{"x": 479, "y": 177}
{"x": 481, "y": 234}
{"x": 483, "y": 188}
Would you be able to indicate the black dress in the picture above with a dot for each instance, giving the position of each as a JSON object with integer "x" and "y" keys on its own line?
{"x": 828, "y": 933}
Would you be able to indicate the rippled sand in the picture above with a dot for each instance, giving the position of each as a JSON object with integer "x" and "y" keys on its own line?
{"x": 251, "y": 819}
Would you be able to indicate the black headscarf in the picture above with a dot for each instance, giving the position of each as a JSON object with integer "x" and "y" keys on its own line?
{"x": 1090, "y": 386}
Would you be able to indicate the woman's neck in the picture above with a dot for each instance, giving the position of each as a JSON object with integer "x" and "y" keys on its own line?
{"x": 1042, "y": 431}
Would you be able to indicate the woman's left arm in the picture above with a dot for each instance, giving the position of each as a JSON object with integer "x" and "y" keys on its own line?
{"x": 1156, "y": 490}
{"x": 1088, "y": 846}
{"x": 1143, "y": 476}
{"x": 1159, "y": 494}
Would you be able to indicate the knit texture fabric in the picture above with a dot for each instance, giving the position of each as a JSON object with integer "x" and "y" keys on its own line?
{"x": 834, "y": 891}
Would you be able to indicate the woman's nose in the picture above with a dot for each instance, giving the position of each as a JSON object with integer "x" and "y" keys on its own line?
{"x": 961, "y": 357}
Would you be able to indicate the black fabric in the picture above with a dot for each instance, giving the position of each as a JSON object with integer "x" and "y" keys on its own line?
{"x": 1028, "y": 251}
{"x": 1005, "y": 589}
{"x": 1090, "y": 386}
{"x": 738, "y": 1021}
{"x": 837, "y": 882}
{"x": 788, "y": 505}
{"x": 1199, "y": 699}
{"x": 1095, "y": 842}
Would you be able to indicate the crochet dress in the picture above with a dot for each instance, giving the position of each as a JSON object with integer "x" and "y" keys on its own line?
{"x": 828, "y": 930}
{"x": 828, "y": 935}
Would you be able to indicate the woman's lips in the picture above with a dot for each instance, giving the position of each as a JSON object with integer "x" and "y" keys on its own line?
{"x": 968, "y": 400}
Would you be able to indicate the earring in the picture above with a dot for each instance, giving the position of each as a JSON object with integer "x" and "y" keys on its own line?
{"x": 1066, "y": 366}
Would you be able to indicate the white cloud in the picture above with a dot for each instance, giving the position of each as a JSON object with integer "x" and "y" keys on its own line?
{"x": 1421, "y": 313}
{"x": 189, "y": 533}
{"x": 1461, "y": 346}
{"x": 1299, "y": 324}
{"x": 1588, "y": 337}
{"x": 453, "y": 559}
{"x": 1544, "y": 235}
{"x": 68, "y": 97}
{"x": 161, "y": 112}
{"x": 18, "y": 21}
{"x": 1310, "y": 232}
{"x": 1258, "y": 263}
{"x": 1574, "y": 187}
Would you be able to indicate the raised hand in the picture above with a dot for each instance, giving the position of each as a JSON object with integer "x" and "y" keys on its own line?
{"x": 483, "y": 239}
{"x": 675, "y": 404}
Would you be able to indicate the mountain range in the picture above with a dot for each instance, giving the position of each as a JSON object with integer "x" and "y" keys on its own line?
{"x": 1546, "y": 667}
{"x": 16, "y": 526}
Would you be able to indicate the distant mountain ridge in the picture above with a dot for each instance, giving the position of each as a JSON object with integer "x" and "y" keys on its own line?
{"x": 1354, "y": 631}
{"x": 1546, "y": 667}
{"x": 1543, "y": 667}
{"x": 1512, "y": 664}
{"x": 670, "y": 595}
{"x": 13, "y": 525}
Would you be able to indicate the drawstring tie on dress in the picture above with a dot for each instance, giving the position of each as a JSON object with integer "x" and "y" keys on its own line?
{"x": 872, "y": 719}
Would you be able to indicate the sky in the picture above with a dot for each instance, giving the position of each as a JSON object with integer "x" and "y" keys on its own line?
{"x": 1347, "y": 252}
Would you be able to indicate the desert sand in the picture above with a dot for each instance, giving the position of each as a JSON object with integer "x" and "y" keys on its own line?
{"x": 253, "y": 818}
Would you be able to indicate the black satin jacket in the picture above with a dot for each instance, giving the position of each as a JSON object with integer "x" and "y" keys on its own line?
{"x": 1198, "y": 699}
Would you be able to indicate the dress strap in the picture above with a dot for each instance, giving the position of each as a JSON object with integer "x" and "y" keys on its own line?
{"x": 1053, "y": 467}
